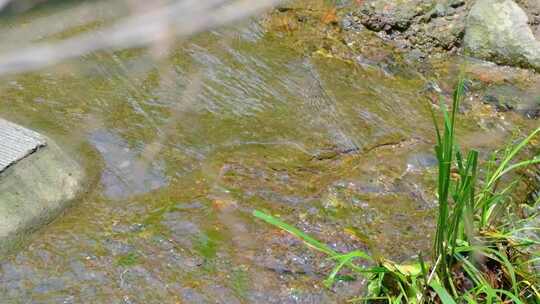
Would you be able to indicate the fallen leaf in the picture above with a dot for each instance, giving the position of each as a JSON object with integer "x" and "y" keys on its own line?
{"x": 330, "y": 17}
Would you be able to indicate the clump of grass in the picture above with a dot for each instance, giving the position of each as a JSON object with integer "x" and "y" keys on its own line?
{"x": 478, "y": 255}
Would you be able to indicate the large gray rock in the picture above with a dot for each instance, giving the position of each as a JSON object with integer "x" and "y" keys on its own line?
{"x": 498, "y": 31}
{"x": 37, "y": 181}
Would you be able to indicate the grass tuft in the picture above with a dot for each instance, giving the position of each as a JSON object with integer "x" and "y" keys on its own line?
{"x": 478, "y": 255}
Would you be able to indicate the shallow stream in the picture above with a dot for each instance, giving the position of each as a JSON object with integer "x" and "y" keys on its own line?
{"x": 179, "y": 152}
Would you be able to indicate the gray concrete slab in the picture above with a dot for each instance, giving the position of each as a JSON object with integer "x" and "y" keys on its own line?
{"x": 16, "y": 143}
{"x": 37, "y": 181}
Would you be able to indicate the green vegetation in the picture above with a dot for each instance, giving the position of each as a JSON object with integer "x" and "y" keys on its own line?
{"x": 480, "y": 253}
{"x": 128, "y": 259}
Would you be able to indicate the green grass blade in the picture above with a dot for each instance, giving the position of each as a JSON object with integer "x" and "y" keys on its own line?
{"x": 515, "y": 299}
{"x": 442, "y": 293}
{"x": 485, "y": 201}
{"x": 343, "y": 260}
{"x": 437, "y": 131}
{"x": 469, "y": 299}
{"x": 311, "y": 242}
{"x": 296, "y": 232}
{"x": 329, "y": 282}
{"x": 525, "y": 163}
{"x": 510, "y": 156}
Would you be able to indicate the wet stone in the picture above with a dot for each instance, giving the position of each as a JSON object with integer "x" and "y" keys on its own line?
{"x": 421, "y": 161}
{"x": 89, "y": 292}
{"x": 285, "y": 255}
{"x": 162, "y": 243}
{"x": 273, "y": 196}
{"x": 370, "y": 186}
{"x": 117, "y": 247}
{"x": 512, "y": 98}
{"x": 128, "y": 228}
{"x": 12, "y": 272}
{"x": 500, "y": 106}
{"x": 177, "y": 222}
{"x": 44, "y": 255}
{"x": 51, "y": 284}
{"x": 176, "y": 259}
{"x": 352, "y": 23}
{"x": 222, "y": 294}
{"x": 190, "y": 295}
{"x": 189, "y": 205}
{"x": 82, "y": 273}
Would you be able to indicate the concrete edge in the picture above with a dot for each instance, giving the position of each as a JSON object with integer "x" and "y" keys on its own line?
{"x": 34, "y": 191}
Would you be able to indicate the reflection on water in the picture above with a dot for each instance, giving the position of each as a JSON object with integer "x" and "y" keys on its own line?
{"x": 125, "y": 173}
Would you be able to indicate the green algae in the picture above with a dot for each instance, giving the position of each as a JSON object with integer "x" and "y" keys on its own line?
{"x": 207, "y": 244}
{"x": 240, "y": 281}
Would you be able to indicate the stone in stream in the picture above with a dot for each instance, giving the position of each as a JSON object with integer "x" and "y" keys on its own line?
{"x": 37, "y": 181}
{"x": 499, "y": 31}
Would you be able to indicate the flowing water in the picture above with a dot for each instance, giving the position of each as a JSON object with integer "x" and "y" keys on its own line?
{"x": 180, "y": 150}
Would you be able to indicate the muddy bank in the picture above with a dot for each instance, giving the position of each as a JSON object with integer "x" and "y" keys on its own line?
{"x": 426, "y": 26}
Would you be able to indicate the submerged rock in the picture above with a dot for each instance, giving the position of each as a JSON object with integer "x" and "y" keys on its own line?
{"x": 126, "y": 172}
{"x": 498, "y": 31}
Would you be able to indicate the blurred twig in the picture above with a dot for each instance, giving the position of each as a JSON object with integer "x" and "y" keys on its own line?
{"x": 182, "y": 18}
{"x": 4, "y": 3}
